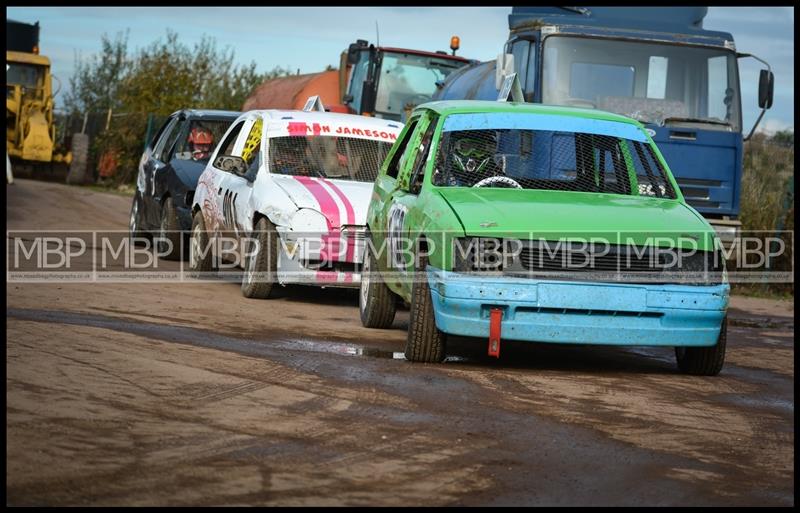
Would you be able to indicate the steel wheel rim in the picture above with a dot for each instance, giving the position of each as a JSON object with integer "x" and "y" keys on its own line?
{"x": 194, "y": 248}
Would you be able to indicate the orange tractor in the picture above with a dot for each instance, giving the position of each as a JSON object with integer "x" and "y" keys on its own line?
{"x": 371, "y": 80}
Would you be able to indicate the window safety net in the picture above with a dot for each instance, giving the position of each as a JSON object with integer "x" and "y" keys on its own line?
{"x": 550, "y": 160}
{"x": 342, "y": 158}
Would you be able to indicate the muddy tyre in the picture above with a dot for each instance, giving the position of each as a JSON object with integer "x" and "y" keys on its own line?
{"x": 170, "y": 236}
{"x": 201, "y": 255}
{"x": 260, "y": 270}
{"x": 134, "y": 221}
{"x": 425, "y": 342}
{"x": 704, "y": 361}
{"x": 376, "y": 303}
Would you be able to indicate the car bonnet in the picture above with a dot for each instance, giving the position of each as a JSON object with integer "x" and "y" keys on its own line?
{"x": 342, "y": 202}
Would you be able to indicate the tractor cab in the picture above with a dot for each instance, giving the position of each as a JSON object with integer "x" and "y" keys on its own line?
{"x": 389, "y": 82}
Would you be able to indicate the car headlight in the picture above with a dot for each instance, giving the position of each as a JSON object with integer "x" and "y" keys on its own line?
{"x": 308, "y": 221}
{"x": 308, "y": 228}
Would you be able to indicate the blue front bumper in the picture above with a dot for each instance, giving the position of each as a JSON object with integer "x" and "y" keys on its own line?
{"x": 579, "y": 312}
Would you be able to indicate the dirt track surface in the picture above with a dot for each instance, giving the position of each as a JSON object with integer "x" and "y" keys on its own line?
{"x": 189, "y": 394}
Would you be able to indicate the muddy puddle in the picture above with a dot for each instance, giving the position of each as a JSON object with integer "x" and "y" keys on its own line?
{"x": 202, "y": 338}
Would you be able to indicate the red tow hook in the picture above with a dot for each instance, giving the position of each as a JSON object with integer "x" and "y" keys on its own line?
{"x": 495, "y": 316}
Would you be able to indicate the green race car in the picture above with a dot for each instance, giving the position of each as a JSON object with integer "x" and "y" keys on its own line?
{"x": 516, "y": 221}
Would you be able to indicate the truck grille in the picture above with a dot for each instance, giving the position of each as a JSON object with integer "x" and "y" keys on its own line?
{"x": 697, "y": 192}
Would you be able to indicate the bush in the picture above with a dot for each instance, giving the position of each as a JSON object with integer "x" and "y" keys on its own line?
{"x": 767, "y": 199}
{"x": 768, "y": 169}
{"x": 160, "y": 79}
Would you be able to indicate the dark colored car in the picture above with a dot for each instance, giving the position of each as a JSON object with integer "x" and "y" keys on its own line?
{"x": 168, "y": 171}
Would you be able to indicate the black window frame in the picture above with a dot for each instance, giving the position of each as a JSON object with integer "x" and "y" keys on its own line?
{"x": 402, "y": 147}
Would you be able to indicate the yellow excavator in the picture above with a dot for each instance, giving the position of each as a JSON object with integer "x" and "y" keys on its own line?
{"x": 30, "y": 134}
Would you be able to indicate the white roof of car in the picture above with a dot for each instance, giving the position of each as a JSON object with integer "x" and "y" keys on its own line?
{"x": 297, "y": 122}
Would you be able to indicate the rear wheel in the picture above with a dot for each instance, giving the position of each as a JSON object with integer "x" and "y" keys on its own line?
{"x": 425, "y": 342}
{"x": 704, "y": 361}
{"x": 258, "y": 280}
{"x": 170, "y": 236}
{"x": 201, "y": 255}
{"x": 377, "y": 304}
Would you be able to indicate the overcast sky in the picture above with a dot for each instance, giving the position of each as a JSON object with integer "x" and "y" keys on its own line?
{"x": 309, "y": 38}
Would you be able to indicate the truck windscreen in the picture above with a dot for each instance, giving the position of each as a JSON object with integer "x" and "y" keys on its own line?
{"x": 407, "y": 78}
{"x": 651, "y": 82}
{"x": 25, "y": 75}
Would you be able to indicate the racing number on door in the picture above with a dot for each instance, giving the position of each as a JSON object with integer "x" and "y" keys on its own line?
{"x": 396, "y": 217}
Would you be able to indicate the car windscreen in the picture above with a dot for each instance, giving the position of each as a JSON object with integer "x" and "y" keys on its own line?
{"x": 342, "y": 158}
{"x": 592, "y": 157}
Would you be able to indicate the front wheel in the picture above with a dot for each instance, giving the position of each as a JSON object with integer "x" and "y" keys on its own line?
{"x": 260, "y": 270}
{"x": 425, "y": 342}
{"x": 376, "y": 303}
{"x": 201, "y": 253}
{"x": 704, "y": 361}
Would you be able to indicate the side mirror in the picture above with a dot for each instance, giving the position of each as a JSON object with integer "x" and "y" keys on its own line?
{"x": 347, "y": 98}
{"x": 231, "y": 164}
{"x": 766, "y": 86}
{"x": 766, "y": 89}
{"x": 353, "y": 51}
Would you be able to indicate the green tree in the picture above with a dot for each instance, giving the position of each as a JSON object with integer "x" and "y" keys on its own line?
{"x": 783, "y": 138}
{"x": 93, "y": 85}
{"x": 163, "y": 77}
{"x": 169, "y": 75}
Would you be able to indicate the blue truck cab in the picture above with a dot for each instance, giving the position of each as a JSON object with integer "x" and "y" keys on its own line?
{"x": 654, "y": 64}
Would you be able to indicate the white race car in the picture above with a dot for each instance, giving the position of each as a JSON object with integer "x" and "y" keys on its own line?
{"x": 285, "y": 196}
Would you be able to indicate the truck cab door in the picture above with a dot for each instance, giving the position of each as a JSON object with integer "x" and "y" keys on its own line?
{"x": 524, "y": 49}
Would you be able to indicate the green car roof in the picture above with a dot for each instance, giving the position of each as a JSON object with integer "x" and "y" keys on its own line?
{"x": 448, "y": 107}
